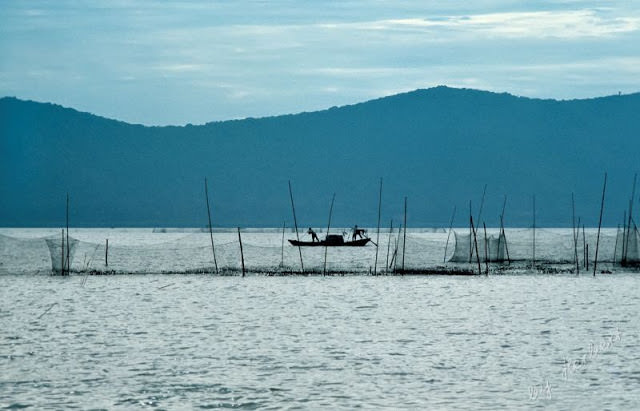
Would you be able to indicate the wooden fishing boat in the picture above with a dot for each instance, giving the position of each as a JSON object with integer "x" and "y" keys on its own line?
{"x": 332, "y": 240}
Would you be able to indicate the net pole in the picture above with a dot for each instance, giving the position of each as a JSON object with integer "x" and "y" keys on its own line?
{"x": 404, "y": 240}
{"x": 604, "y": 188}
{"x": 386, "y": 266}
{"x": 213, "y": 248}
{"x": 475, "y": 242}
{"x": 324, "y": 269}
{"x": 62, "y": 254}
{"x": 444, "y": 260}
{"x": 486, "y": 251}
{"x": 282, "y": 255}
{"x": 575, "y": 237}
{"x": 633, "y": 194}
{"x": 295, "y": 223}
{"x": 241, "y": 252}
{"x": 375, "y": 264}
{"x": 533, "y": 257}
{"x": 68, "y": 260}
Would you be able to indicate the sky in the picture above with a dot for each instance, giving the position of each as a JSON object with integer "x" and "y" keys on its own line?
{"x": 180, "y": 62}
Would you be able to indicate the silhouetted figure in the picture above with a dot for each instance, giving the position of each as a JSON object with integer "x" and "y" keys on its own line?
{"x": 357, "y": 232}
{"x": 314, "y": 236}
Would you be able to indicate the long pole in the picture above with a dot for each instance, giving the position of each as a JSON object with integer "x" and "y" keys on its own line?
{"x": 394, "y": 257}
{"x": 404, "y": 241}
{"x": 604, "y": 188}
{"x": 486, "y": 253}
{"x": 444, "y": 260}
{"x": 475, "y": 242}
{"x": 584, "y": 249}
{"x": 484, "y": 192}
{"x": 633, "y": 194}
{"x": 282, "y": 256}
{"x": 575, "y": 235}
{"x": 386, "y": 266}
{"x": 295, "y": 223}
{"x": 324, "y": 269}
{"x": 533, "y": 259}
{"x": 241, "y": 252}
{"x": 375, "y": 264}
{"x": 62, "y": 254}
{"x": 213, "y": 248}
{"x": 106, "y": 254}
{"x": 68, "y": 259}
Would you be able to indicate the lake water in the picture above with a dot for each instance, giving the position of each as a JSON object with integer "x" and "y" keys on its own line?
{"x": 519, "y": 340}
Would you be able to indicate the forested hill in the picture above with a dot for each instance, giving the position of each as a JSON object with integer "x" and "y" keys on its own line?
{"x": 438, "y": 147}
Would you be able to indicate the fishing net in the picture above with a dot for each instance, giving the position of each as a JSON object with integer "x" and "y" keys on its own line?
{"x": 267, "y": 251}
{"x": 626, "y": 247}
{"x": 557, "y": 246}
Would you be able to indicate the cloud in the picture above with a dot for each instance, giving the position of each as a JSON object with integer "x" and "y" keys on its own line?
{"x": 198, "y": 61}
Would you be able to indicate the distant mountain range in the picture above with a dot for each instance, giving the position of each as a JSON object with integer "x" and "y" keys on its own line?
{"x": 438, "y": 147}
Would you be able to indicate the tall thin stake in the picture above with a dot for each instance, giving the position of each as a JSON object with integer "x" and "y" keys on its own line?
{"x": 475, "y": 242}
{"x": 241, "y": 252}
{"x": 533, "y": 258}
{"x": 604, "y": 188}
{"x": 375, "y": 264}
{"x": 386, "y": 266}
{"x": 324, "y": 269}
{"x": 404, "y": 241}
{"x": 295, "y": 223}
{"x": 282, "y": 256}
{"x": 213, "y": 248}
{"x": 68, "y": 259}
{"x": 106, "y": 254}
{"x": 575, "y": 235}
{"x": 484, "y": 192}
{"x": 444, "y": 260}
{"x": 584, "y": 249}
{"x": 62, "y": 254}
{"x": 633, "y": 194}
{"x": 486, "y": 251}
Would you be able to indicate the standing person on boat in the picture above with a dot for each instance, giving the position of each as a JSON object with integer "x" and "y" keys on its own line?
{"x": 357, "y": 232}
{"x": 314, "y": 236}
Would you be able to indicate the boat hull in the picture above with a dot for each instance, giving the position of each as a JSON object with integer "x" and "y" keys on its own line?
{"x": 356, "y": 243}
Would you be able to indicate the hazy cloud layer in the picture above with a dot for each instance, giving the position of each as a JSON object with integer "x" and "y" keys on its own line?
{"x": 180, "y": 62}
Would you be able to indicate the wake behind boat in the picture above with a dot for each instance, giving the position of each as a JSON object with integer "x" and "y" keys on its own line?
{"x": 331, "y": 240}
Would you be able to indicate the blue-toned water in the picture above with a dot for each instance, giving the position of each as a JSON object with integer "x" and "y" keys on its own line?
{"x": 516, "y": 340}
{"x": 199, "y": 341}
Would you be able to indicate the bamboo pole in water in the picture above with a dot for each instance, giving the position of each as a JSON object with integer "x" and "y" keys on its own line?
{"x": 533, "y": 259}
{"x": 444, "y": 260}
{"x": 213, "y": 248}
{"x": 68, "y": 259}
{"x": 484, "y": 192}
{"x": 475, "y": 241}
{"x": 282, "y": 255}
{"x": 241, "y": 252}
{"x": 324, "y": 269}
{"x": 295, "y": 223}
{"x": 375, "y": 264}
{"x": 624, "y": 236}
{"x": 62, "y": 254}
{"x": 386, "y": 266}
{"x": 604, "y": 188}
{"x": 486, "y": 251}
{"x": 584, "y": 249}
{"x": 404, "y": 241}
{"x": 633, "y": 194}
{"x": 575, "y": 235}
